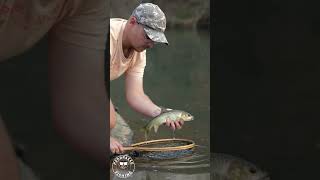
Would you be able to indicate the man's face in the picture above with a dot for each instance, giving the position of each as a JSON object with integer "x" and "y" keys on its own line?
{"x": 140, "y": 40}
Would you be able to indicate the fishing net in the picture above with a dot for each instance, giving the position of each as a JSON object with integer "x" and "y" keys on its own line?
{"x": 162, "y": 149}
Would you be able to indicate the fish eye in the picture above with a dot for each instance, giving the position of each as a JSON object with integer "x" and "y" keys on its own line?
{"x": 253, "y": 170}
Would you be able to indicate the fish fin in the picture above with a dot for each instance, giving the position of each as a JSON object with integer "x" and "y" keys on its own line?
{"x": 145, "y": 135}
{"x": 144, "y": 128}
{"x": 156, "y": 129}
{"x": 146, "y": 131}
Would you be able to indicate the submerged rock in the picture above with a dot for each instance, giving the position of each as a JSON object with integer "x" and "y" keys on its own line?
{"x": 122, "y": 132}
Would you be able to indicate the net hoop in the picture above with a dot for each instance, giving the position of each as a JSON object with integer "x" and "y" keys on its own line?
{"x": 137, "y": 146}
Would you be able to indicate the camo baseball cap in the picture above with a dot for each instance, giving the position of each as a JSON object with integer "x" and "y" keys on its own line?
{"x": 153, "y": 20}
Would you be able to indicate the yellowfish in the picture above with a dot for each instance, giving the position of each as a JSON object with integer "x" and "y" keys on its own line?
{"x": 173, "y": 115}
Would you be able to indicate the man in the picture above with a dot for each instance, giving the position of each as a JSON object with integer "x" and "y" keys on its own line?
{"x": 77, "y": 36}
{"x": 129, "y": 40}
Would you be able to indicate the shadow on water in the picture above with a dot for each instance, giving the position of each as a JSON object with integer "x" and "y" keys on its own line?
{"x": 178, "y": 77}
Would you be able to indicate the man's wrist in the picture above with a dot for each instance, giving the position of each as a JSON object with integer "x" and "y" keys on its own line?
{"x": 164, "y": 109}
{"x": 156, "y": 112}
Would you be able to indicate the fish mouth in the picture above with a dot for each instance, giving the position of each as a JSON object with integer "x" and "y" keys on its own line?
{"x": 188, "y": 119}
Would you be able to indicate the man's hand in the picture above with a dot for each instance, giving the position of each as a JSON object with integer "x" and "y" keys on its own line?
{"x": 172, "y": 124}
{"x": 115, "y": 146}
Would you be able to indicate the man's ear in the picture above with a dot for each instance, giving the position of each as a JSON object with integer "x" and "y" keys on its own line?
{"x": 132, "y": 20}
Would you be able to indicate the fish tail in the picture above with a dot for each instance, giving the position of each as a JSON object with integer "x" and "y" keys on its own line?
{"x": 156, "y": 129}
{"x": 146, "y": 131}
{"x": 146, "y": 135}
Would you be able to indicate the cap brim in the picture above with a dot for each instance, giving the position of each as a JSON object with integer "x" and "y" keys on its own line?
{"x": 156, "y": 36}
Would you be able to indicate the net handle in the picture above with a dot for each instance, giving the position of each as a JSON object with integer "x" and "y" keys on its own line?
{"x": 135, "y": 147}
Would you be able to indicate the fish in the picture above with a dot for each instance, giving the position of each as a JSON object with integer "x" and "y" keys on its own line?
{"x": 174, "y": 115}
{"x": 228, "y": 167}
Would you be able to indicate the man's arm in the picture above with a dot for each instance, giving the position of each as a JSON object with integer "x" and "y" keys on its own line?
{"x": 78, "y": 96}
{"x": 140, "y": 102}
{"x": 137, "y": 99}
{"x": 9, "y": 168}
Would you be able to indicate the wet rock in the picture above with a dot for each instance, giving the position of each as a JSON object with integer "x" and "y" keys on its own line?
{"x": 122, "y": 132}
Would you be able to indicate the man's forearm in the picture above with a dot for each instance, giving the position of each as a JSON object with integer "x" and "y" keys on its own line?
{"x": 142, "y": 103}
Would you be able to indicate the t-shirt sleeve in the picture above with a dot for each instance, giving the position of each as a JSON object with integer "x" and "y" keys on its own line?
{"x": 84, "y": 24}
{"x": 112, "y": 44}
{"x": 137, "y": 69}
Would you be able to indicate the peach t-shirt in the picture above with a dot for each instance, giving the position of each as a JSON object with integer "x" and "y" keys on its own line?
{"x": 133, "y": 65}
{"x": 79, "y": 22}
